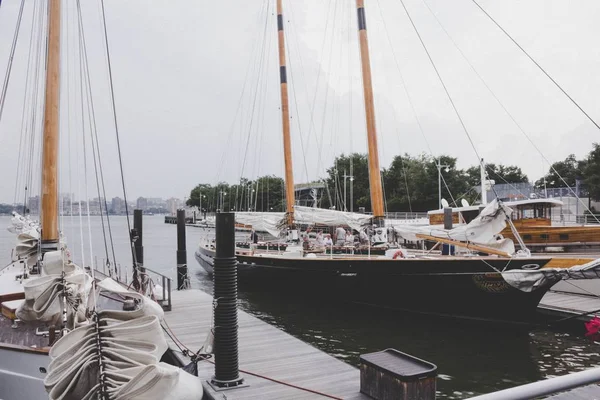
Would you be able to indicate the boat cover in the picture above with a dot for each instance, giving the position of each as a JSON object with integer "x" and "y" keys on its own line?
{"x": 483, "y": 230}
{"x": 528, "y": 280}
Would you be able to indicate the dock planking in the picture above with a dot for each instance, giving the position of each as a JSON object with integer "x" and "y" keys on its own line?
{"x": 264, "y": 350}
{"x": 570, "y": 304}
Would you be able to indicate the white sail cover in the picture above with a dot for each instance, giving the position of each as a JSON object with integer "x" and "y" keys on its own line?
{"x": 529, "y": 280}
{"x": 311, "y": 215}
{"x": 129, "y": 346}
{"x": 43, "y": 295}
{"x": 483, "y": 229}
{"x": 21, "y": 224}
{"x": 262, "y": 221}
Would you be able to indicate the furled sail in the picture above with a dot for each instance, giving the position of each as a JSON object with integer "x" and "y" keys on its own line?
{"x": 484, "y": 229}
{"x": 311, "y": 215}
{"x": 261, "y": 221}
{"x": 62, "y": 282}
{"x": 117, "y": 356}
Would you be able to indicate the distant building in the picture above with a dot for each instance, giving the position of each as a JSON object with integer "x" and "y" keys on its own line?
{"x": 117, "y": 205}
{"x": 309, "y": 194}
{"x": 33, "y": 204}
{"x": 173, "y": 205}
{"x": 141, "y": 203}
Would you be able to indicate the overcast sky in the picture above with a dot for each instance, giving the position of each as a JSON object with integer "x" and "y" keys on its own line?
{"x": 197, "y": 94}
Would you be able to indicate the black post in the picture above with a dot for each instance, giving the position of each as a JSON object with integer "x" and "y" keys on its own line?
{"x": 225, "y": 314}
{"x": 138, "y": 283}
{"x": 447, "y": 218}
{"x": 139, "y": 243}
{"x": 182, "y": 273}
{"x": 447, "y": 249}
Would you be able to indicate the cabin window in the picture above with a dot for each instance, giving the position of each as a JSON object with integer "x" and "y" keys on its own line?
{"x": 564, "y": 236}
{"x": 544, "y": 236}
{"x": 526, "y": 237}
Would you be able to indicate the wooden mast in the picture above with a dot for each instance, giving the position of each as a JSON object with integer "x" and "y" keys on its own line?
{"x": 285, "y": 117}
{"x": 49, "y": 217}
{"x": 374, "y": 172}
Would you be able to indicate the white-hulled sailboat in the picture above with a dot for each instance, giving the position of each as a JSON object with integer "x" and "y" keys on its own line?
{"x": 63, "y": 333}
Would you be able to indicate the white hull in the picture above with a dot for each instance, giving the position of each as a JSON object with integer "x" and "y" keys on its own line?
{"x": 20, "y": 375}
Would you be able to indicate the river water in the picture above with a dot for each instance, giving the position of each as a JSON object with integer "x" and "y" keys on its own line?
{"x": 472, "y": 358}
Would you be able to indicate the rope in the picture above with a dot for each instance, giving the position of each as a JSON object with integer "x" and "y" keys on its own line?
{"x": 186, "y": 352}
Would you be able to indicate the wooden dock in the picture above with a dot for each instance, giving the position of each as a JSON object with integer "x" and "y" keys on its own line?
{"x": 266, "y": 351}
{"x": 564, "y": 305}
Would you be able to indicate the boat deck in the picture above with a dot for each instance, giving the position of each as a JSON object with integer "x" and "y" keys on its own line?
{"x": 266, "y": 351}
{"x": 564, "y": 305}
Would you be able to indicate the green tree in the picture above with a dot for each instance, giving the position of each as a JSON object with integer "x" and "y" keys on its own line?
{"x": 570, "y": 170}
{"x": 335, "y": 183}
{"x": 499, "y": 173}
{"x": 591, "y": 172}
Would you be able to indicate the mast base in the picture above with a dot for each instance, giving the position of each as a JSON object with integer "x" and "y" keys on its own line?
{"x": 379, "y": 222}
{"x": 49, "y": 245}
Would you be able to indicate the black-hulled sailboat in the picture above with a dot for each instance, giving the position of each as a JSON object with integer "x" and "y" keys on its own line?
{"x": 502, "y": 284}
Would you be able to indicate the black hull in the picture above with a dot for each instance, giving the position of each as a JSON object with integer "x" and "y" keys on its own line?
{"x": 461, "y": 286}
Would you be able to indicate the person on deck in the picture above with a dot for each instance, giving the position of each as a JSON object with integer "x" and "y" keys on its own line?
{"x": 349, "y": 239}
{"x": 364, "y": 238}
{"x": 320, "y": 238}
{"x": 327, "y": 241}
{"x": 340, "y": 236}
{"x": 253, "y": 236}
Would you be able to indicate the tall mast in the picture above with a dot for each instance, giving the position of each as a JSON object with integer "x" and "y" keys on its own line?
{"x": 374, "y": 172}
{"x": 285, "y": 118}
{"x": 49, "y": 217}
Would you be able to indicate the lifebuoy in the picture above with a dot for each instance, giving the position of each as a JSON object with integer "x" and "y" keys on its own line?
{"x": 398, "y": 254}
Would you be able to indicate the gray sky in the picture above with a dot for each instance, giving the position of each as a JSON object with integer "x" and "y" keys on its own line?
{"x": 194, "y": 102}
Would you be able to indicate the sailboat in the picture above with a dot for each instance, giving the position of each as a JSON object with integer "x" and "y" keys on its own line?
{"x": 65, "y": 334}
{"x": 500, "y": 284}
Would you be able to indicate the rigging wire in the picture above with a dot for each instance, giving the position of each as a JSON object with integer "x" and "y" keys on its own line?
{"x": 85, "y": 156}
{"x": 537, "y": 65}
{"x": 114, "y": 114}
{"x": 412, "y": 106}
{"x": 441, "y": 81}
{"x": 23, "y": 137}
{"x": 252, "y": 113}
{"x": 11, "y": 58}
{"x": 287, "y": 34}
{"x": 100, "y": 183}
{"x": 513, "y": 119}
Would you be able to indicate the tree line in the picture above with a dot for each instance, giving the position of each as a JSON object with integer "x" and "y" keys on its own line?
{"x": 410, "y": 183}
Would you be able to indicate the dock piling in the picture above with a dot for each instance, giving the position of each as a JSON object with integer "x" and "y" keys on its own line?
{"x": 182, "y": 270}
{"x": 139, "y": 251}
{"x": 227, "y": 373}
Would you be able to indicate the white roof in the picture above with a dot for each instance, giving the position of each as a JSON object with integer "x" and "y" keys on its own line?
{"x": 516, "y": 203}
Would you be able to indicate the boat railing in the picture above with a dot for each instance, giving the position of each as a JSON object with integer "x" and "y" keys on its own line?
{"x": 546, "y": 387}
{"x": 153, "y": 284}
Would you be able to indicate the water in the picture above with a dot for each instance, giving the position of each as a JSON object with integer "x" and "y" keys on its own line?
{"x": 472, "y": 358}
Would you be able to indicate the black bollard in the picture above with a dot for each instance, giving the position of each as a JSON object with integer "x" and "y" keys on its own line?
{"x": 182, "y": 273}
{"x": 227, "y": 373}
